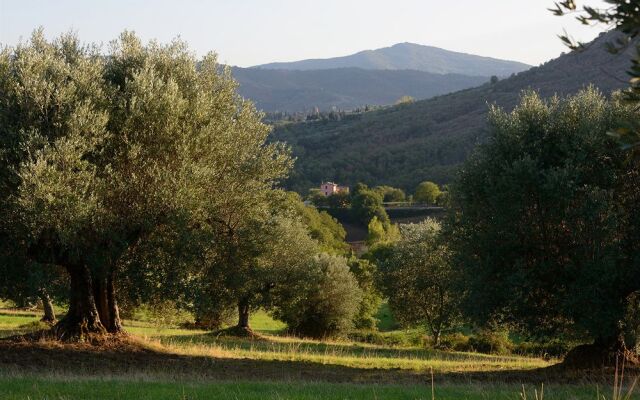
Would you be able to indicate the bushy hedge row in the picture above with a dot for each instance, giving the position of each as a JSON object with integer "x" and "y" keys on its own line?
{"x": 486, "y": 342}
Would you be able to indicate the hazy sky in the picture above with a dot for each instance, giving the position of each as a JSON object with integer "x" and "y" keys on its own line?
{"x": 250, "y": 32}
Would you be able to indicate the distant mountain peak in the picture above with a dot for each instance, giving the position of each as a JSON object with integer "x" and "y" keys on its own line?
{"x": 409, "y": 44}
{"x": 410, "y": 56}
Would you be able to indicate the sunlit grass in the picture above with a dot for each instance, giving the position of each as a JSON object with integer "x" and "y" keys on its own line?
{"x": 342, "y": 353}
{"x": 260, "y": 322}
{"x": 12, "y": 322}
{"x": 273, "y": 346}
{"x": 285, "y": 348}
{"x": 349, "y": 355}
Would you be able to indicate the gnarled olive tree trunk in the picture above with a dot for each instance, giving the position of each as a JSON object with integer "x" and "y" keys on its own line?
{"x": 106, "y": 303}
{"x": 92, "y": 306}
{"x": 82, "y": 318}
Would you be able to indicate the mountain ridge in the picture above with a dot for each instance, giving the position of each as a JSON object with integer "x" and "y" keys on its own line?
{"x": 342, "y": 88}
{"x": 429, "y": 139}
{"x": 409, "y": 56}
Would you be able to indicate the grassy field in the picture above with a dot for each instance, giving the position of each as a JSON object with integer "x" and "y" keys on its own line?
{"x": 176, "y": 363}
{"x": 56, "y": 388}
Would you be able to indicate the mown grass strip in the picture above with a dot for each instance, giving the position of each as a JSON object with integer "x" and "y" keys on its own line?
{"x": 36, "y": 388}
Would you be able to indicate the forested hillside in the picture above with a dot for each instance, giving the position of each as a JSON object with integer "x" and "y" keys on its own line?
{"x": 410, "y": 56}
{"x": 343, "y": 88}
{"x": 427, "y": 140}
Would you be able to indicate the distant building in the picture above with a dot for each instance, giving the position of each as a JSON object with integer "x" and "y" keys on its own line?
{"x": 329, "y": 188}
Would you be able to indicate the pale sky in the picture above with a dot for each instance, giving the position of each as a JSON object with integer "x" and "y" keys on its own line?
{"x": 250, "y": 32}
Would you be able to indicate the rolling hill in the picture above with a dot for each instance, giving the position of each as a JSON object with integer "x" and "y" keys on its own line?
{"x": 428, "y": 140}
{"x": 410, "y": 56}
{"x": 343, "y": 88}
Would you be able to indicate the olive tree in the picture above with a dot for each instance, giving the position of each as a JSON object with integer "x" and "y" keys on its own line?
{"x": 322, "y": 299}
{"x": 544, "y": 222}
{"x": 624, "y": 17}
{"x": 418, "y": 278}
{"x": 266, "y": 257}
{"x": 107, "y": 153}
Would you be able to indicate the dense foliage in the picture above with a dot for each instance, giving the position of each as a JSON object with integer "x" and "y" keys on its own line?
{"x": 325, "y": 229}
{"x": 324, "y": 302}
{"x": 390, "y": 194}
{"x": 545, "y": 220}
{"x": 359, "y": 206}
{"x": 366, "y": 204}
{"x": 419, "y": 280}
{"x": 624, "y": 17}
{"x": 365, "y": 273}
{"x": 112, "y": 162}
{"x": 427, "y": 193}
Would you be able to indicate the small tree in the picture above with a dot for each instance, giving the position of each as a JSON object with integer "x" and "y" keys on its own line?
{"x": 390, "y": 194}
{"x": 267, "y": 255}
{"x": 320, "y": 300}
{"x": 418, "y": 279}
{"x": 365, "y": 273}
{"x": 427, "y": 193}
{"x": 375, "y": 232}
{"x": 367, "y": 204}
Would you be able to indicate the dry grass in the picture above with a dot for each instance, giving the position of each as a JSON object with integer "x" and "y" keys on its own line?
{"x": 151, "y": 350}
{"x": 153, "y": 362}
{"x": 168, "y": 352}
{"x": 347, "y": 354}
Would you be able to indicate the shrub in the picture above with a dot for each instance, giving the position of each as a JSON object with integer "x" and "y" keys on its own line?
{"x": 161, "y": 313}
{"x": 427, "y": 193}
{"x": 554, "y": 348}
{"x": 323, "y": 301}
{"x": 455, "y": 341}
{"x": 491, "y": 342}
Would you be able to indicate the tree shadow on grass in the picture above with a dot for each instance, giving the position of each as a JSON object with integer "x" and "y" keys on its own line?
{"x": 329, "y": 348}
{"x": 133, "y": 360}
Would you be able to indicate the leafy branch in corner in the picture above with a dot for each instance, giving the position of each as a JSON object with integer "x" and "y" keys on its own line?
{"x": 624, "y": 16}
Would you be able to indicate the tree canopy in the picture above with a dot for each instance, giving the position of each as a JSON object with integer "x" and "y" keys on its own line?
{"x": 544, "y": 223}
{"x": 418, "y": 278}
{"x": 427, "y": 193}
{"x": 103, "y": 154}
{"x": 624, "y": 17}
